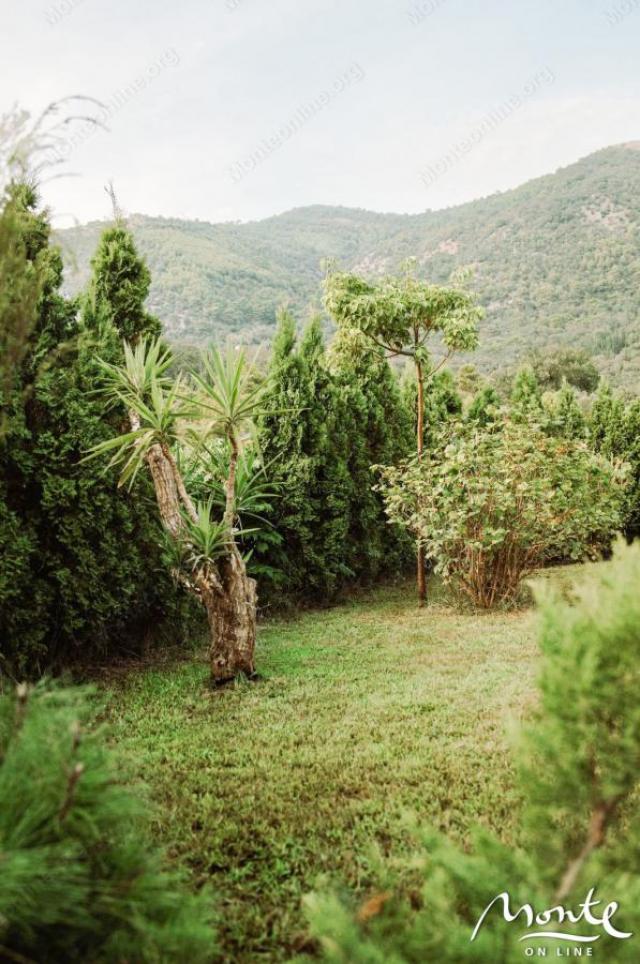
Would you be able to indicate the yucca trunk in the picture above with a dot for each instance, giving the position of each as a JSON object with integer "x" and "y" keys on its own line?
{"x": 226, "y": 591}
{"x": 231, "y": 611}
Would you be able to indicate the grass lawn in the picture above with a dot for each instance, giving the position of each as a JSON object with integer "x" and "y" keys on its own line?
{"x": 367, "y": 711}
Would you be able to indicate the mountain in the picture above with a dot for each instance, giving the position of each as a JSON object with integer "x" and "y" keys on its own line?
{"x": 555, "y": 261}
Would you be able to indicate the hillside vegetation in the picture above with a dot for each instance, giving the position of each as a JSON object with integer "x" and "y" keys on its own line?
{"x": 556, "y": 260}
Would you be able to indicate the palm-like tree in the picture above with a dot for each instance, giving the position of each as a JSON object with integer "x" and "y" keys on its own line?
{"x": 230, "y": 396}
{"x": 163, "y": 415}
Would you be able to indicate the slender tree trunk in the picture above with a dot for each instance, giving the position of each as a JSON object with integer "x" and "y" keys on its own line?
{"x": 420, "y": 561}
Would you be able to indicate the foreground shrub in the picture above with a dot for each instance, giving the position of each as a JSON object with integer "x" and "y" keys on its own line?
{"x": 580, "y": 823}
{"x": 490, "y": 505}
{"x": 78, "y": 878}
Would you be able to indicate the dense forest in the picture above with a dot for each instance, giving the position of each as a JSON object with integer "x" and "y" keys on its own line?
{"x": 554, "y": 261}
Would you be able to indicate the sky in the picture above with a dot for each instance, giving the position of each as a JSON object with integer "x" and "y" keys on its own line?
{"x": 225, "y": 110}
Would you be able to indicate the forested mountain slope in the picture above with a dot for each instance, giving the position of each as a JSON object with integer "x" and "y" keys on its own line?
{"x": 556, "y": 260}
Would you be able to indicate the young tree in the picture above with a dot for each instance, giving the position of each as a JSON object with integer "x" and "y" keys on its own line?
{"x": 526, "y": 397}
{"x": 223, "y": 403}
{"x": 401, "y": 315}
{"x": 485, "y": 406}
{"x": 563, "y": 415}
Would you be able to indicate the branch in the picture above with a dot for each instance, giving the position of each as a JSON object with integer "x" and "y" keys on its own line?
{"x": 441, "y": 364}
{"x": 600, "y": 819}
{"x": 394, "y": 351}
{"x": 72, "y": 783}
{"x": 180, "y": 486}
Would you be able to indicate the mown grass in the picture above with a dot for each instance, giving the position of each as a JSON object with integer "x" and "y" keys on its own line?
{"x": 367, "y": 712}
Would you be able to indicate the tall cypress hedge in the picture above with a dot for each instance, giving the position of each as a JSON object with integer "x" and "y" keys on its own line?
{"x": 74, "y": 549}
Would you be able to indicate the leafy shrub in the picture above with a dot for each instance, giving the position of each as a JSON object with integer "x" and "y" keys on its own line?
{"x": 492, "y": 505}
{"x": 579, "y": 826}
{"x": 614, "y": 430}
{"x": 79, "y": 880}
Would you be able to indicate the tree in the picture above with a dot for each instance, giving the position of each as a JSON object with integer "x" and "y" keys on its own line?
{"x": 485, "y": 406}
{"x": 80, "y": 878}
{"x": 564, "y": 416}
{"x": 379, "y": 429}
{"x": 469, "y": 379}
{"x": 607, "y": 423}
{"x": 577, "y": 768}
{"x": 119, "y": 287}
{"x": 400, "y": 315}
{"x": 73, "y": 573}
{"x": 305, "y": 435}
{"x": 526, "y": 397}
{"x": 222, "y": 404}
{"x": 559, "y": 365}
{"x": 493, "y": 504}
{"x": 21, "y": 281}
{"x": 441, "y": 403}
{"x": 614, "y": 431}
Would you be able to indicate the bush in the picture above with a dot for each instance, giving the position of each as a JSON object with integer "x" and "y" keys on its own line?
{"x": 79, "y": 880}
{"x": 491, "y": 505}
{"x": 579, "y": 826}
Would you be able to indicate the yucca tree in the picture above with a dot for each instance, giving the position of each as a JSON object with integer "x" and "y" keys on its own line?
{"x": 221, "y": 401}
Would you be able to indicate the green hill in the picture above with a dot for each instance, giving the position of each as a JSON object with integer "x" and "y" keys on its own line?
{"x": 556, "y": 261}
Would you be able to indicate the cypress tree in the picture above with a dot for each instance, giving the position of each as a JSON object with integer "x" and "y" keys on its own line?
{"x": 607, "y": 423}
{"x": 615, "y": 432}
{"x": 119, "y": 288}
{"x": 380, "y": 432}
{"x": 73, "y": 545}
{"x": 565, "y": 417}
{"x": 485, "y": 406}
{"x": 526, "y": 397}
{"x": 305, "y": 446}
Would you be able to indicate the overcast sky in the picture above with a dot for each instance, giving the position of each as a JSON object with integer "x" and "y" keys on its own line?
{"x": 239, "y": 109}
